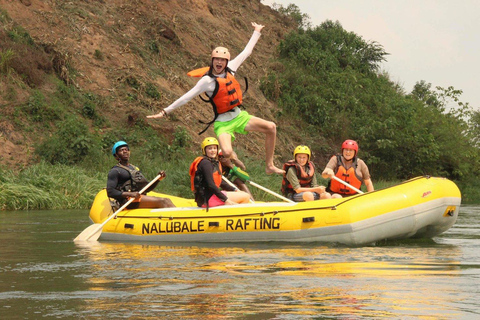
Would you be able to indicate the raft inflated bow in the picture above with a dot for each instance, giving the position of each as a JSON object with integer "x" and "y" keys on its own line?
{"x": 422, "y": 207}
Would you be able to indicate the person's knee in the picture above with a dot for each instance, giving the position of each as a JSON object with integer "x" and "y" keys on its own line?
{"x": 227, "y": 151}
{"x": 167, "y": 203}
{"x": 164, "y": 203}
{"x": 271, "y": 126}
{"x": 325, "y": 195}
{"x": 245, "y": 197}
{"x": 308, "y": 196}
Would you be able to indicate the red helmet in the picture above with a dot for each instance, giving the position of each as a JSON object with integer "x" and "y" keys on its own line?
{"x": 350, "y": 144}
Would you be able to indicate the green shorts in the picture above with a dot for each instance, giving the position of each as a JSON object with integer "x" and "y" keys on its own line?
{"x": 237, "y": 124}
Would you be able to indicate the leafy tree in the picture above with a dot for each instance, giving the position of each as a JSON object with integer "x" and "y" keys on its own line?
{"x": 329, "y": 79}
{"x": 292, "y": 11}
{"x": 70, "y": 144}
{"x": 475, "y": 128}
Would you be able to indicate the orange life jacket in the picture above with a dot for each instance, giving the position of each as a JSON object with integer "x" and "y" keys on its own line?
{"x": 226, "y": 95}
{"x": 349, "y": 176}
{"x": 304, "y": 178}
{"x": 196, "y": 182}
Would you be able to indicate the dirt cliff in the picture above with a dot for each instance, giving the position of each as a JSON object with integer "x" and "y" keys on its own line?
{"x": 117, "y": 48}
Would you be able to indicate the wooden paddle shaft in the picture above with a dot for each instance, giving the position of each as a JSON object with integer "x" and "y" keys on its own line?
{"x": 270, "y": 191}
{"x": 347, "y": 184}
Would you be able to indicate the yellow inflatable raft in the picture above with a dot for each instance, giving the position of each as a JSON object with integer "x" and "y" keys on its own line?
{"x": 420, "y": 207}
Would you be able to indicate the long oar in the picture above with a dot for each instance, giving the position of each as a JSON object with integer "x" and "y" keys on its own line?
{"x": 348, "y": 185}
{"x": 269, "y": 191}
{"x": 93, "y": 232}
{"x": 234, "y": 186}
{"x": 246, "y": 178}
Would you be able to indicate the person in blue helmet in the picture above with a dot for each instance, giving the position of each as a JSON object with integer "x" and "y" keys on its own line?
{"x": 125, "y": 181}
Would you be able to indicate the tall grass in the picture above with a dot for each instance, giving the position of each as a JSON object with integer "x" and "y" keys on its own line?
{"x": 6, "y": 57}
{"x": 47, "y": 186}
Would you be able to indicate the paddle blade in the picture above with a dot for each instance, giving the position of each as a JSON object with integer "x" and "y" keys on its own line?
{"x": 91, "y": 233}
{"x": 242, "y": 175}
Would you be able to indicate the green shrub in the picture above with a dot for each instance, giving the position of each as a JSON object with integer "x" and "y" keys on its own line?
{"x": 151, "y": 91}
{"x": 98, "y": 55}
{"x": 70, "y": 144}
{"x": 6, "y": 57}
{"x": 39, "y": 110}
{"x": 330, "y": 81}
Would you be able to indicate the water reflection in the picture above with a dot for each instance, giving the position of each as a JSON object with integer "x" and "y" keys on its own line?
{"x": 43, "y": 274}
{"x": 294, "y": 280}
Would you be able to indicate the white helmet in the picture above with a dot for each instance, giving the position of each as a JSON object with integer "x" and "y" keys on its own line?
{"x": 221, "y": 52}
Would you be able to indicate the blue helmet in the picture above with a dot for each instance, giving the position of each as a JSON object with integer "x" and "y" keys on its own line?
{"x": 117, "y": 145}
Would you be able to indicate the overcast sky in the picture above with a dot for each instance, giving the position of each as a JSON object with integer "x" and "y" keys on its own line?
{"x": 433, "y": 40}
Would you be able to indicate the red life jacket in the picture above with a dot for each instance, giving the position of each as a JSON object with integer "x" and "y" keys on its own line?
{"x": 349, "y": 176}
{"x": 226, "y": 95}
{"x": 195, "y": 183}
{"x": 304, "y": 178}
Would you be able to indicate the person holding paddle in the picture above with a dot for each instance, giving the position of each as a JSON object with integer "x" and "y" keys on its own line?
{"x": 125, "y": 181}
{"x": 225, "y": 95}
{"x": 349, "y": 168}
{"x": 230, "y": 171}
{"x": 206, "y": 179}
{"x": 300, "y": 181}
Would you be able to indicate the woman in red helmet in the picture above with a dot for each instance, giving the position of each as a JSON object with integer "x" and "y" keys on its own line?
{"x": 225, "y": 95}
{"x": 348, "y": 167}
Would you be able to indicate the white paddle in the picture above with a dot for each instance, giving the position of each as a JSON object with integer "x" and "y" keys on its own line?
{"x": 93, "y": 232}
{"x": 348, "y": 185}
{"x": 234, "y": 186}
{"x": 246, "y": 177}
{"x": 269, "y": 191}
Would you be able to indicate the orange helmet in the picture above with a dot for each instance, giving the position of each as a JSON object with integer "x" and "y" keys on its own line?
{"x": 221, "y": 52}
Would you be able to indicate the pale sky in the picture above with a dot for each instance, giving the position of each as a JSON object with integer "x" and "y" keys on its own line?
{"x": 433, "y": 40}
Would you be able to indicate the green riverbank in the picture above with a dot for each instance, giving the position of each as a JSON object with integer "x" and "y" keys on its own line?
{"x": 46, "y": 186}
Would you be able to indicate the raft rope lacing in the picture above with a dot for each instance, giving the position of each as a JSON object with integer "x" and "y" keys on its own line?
{"x": 274, "y": 212}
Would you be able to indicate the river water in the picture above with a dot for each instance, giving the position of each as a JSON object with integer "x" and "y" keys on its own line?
{"x": 45, "y": 275}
